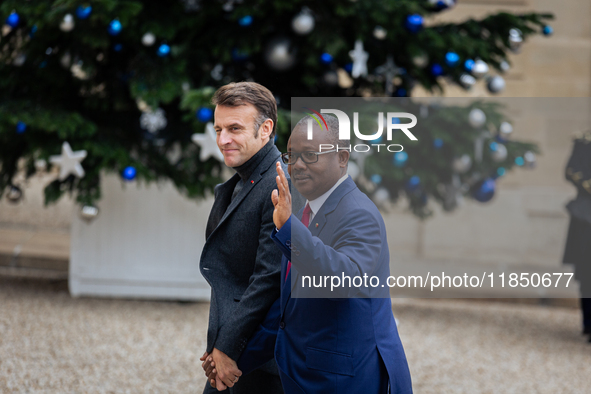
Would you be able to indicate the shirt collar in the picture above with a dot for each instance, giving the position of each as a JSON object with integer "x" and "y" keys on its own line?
{"x": 317, "y": 203}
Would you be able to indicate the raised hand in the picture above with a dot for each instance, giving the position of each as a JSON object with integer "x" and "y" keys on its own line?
{"x": 281, "y": 198}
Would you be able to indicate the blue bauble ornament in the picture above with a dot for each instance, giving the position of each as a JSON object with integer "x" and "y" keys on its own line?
{"x": 485, "y": 190}
{"x": 547, "y": 30}
{"x": 238, "y": 55}
{"x": 400, "y": 159}
{"x": 376, "y": 178}
{"x": 452, "y": 59}
{"x": 436, "y": 70}
{"x": 349, "y": 67}
{"x": 13, "y": 20}
{"x": 83, "y": 12}
{"x": 326, "y": 58}
{"x": 163, "y": 50}
{"x": 414, "y": 23}
{"x": 500, "y": 171}
{"x": 440, "y": 5}
{"x": 500, "y": 139}
{"x": 117, "y": 47}
{"x": 401, "y": 92}
{"x": 115, "y": 27}
{"x": 377, "y": 140}
{"x": 20, "y": 127}
{"x": 33, "y": 31}
{"x": 204, "y": 114}
{"x": 469, "y": 64}
{"x": 129, "y": 173}
{"x": 413, "y": 183}
{"x": 245, "y": 21}
{"x": 438, "y": 143}
{"x": 519, "y": 161}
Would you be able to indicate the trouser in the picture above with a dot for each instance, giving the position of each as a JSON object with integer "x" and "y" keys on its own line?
{"x": 586, "y": 310}
{"x": 256, "y": 382}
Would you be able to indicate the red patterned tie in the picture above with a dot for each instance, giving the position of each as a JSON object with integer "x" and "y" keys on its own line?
{"x": 305, "y": 222}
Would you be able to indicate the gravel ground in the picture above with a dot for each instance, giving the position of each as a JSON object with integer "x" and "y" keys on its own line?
{"x": 52, "y": 343}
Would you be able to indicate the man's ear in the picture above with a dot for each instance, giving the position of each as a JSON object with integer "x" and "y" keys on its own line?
{"x": 343, "y": 158}
{"x": 266, "y": 128}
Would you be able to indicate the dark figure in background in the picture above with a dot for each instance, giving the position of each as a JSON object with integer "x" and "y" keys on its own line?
{"x": 578, "y": 243}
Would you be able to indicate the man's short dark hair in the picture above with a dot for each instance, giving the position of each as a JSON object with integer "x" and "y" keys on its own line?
{"x": 241, "y": 93}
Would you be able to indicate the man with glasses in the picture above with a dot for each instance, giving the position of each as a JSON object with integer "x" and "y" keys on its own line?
{"x": 328, "y": 345}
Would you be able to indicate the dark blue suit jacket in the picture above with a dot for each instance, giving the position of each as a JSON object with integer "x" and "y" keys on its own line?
{"x": 331, "y": 345}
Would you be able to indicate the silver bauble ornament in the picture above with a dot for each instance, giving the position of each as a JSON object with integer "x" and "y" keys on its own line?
{"x": 424, "y": 111}
{"x": 14, "y": 194}
{"x": 505, "y": 66}
{"x": 379, "y": 32}
{"x": 462, "y": 164}
{"x": 19, "y": 60}
{"x": 515, "y": 39}
{"x": 303, "y": 23}
{"x": 280, "y": 55}
{"x": 421, "y": 60}
{"x": 477, "y": 118}
{"x": 67, "y": 24}
{"x": 452, "y": 196}
{"x": 496, "y": 84}
{"x": 89, "y": 212}
{"x": 216, "y": 72}
{"x": 381, "y": 196}
{"x": 505, "y": 130}
{"x": 500, "y": 153}
{"x": 529, "y": 158}
{"x": 467, "y": 81}
{"x": 192, "y": 5}
{"x": 480, "y": 69}
{"x": 148, "y": 39}
{"x": 331, "y": 78}
{"x": 353, "y": 170}
{"x": 66, "y": 60}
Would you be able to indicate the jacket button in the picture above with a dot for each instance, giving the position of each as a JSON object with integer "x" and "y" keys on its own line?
{"x": 288, "y": 242}
{"x": 282, "y": 325}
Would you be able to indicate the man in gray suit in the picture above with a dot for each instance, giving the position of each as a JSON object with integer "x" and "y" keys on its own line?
{"x": 239, "y": 260}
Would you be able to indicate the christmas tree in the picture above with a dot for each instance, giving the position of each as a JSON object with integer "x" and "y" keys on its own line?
{"x": 122, "y": 86}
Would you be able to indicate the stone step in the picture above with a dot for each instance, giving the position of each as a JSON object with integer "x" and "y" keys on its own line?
{"x": 31, "y": 252}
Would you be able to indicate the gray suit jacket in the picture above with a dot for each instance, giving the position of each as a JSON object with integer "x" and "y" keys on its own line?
{"x": 239, "y": 260}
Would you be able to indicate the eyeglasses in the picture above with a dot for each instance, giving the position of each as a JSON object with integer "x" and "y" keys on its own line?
{"x": 308, "y": 157}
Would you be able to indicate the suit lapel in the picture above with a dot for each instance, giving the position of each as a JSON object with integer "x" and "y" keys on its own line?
{"x": 223, "y": 194}
{"x": 248, "y": 186}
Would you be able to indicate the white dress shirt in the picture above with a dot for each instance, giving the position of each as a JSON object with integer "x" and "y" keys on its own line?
{"x": 317, "y": 203}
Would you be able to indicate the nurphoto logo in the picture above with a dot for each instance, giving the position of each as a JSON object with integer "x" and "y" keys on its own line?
{"x": 345, "y": 129}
